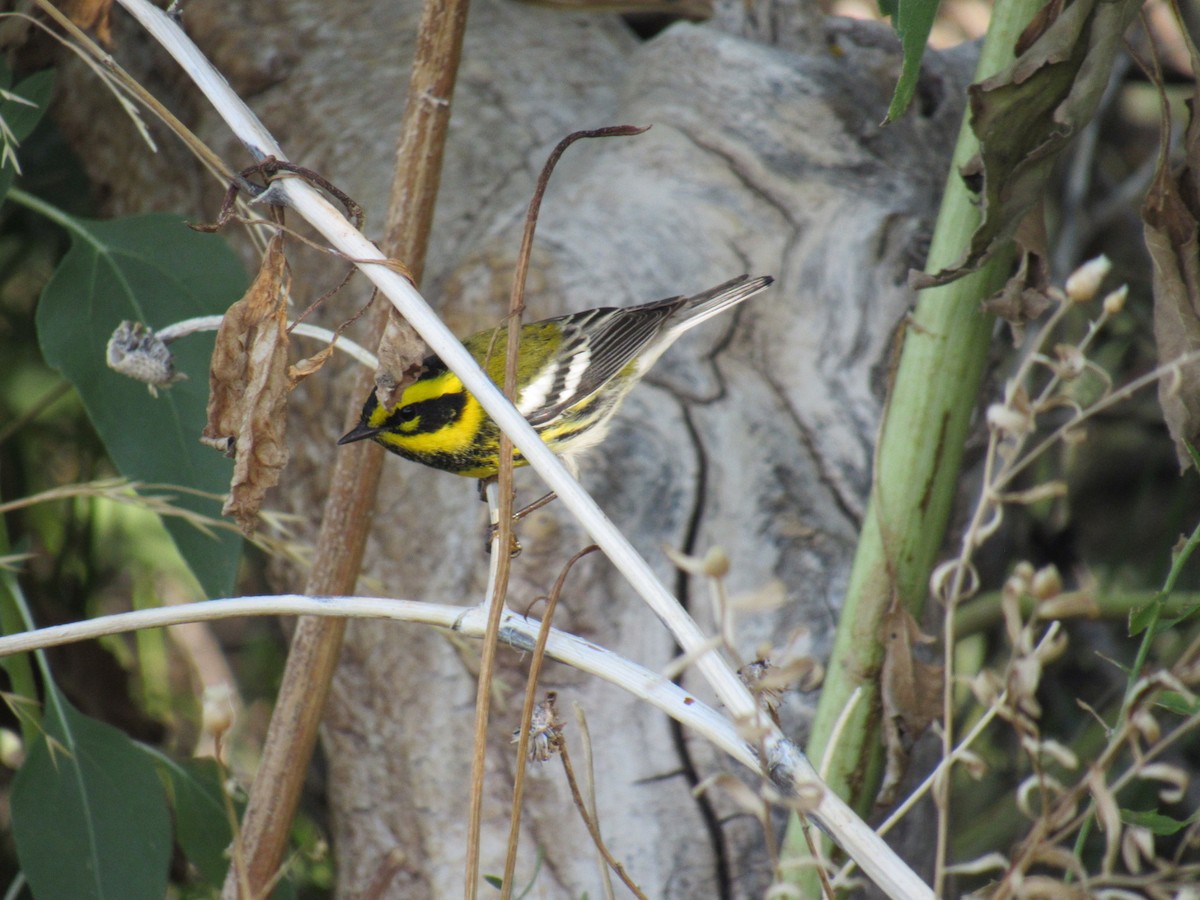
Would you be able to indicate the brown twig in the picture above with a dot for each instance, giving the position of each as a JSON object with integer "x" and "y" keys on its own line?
{"x": 503, "y": 540}
{"x": 535, "y": 670}
{"x": 591, "y": 824}
{"x": 589, "y": 771}
{"x": 268, "y": 170}
{"x": 317, "y": 642}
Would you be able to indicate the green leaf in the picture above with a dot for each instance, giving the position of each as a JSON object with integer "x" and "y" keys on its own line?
{"x": 201, "y": 821}
{"x": 151, "y": 269}
{"x": 1151, "y": 614}
{"x": 22, "y": 687}
{"x": 1177, "y": 703}
{"x": 913, "y": 20}
{"x": 1156, "y": 821}
{"x": 20, "y": 118}
{"x": 1144, "y": 616}
{"x": 89, "y": 816}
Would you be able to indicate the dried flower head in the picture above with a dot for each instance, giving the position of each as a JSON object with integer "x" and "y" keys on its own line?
{"x": 1047, "y": 583}
{"x": 1084, "y": 282}
{"x": 1114, "y": 302}
{"x": 137, "y": 352}
{"x": 545, "y": 730}
{"x": 218, "y": 710}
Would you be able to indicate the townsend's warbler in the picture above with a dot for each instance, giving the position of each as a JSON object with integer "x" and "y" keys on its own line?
{"x": 573, "y": 373}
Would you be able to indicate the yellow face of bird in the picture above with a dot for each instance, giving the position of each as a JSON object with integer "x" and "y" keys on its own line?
{"x": 436, "y": 422}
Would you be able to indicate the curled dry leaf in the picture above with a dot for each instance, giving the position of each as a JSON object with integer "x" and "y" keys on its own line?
{"x": 911, "y": 691}
{"x": 1024, "y": 297}
{"x": 1137, "y": 844}
{"x": 248, "y": 388}
{"x": 989, "y": 862}
{"x": 1174, "y": 780}
{"x": 309, "y": 366}
{"x": 1108, "y": 816}
{"x": 1025, "y": 116}
{"x": 1171, "y": 215}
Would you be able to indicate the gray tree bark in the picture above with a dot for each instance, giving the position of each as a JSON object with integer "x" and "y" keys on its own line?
{"x": 753, "y": 434}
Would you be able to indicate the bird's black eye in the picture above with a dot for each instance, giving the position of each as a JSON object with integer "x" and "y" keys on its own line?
{"x": 406, "y": 419}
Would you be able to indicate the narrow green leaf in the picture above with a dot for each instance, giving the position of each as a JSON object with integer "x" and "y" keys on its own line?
{"x": 1178, "y": 703}
{"x": 21, "y": 685}
{"x": 151, "y": 269}
{"x": 20, "y": 118}
{"x": 201, "y": 822}
{"x": 913, "y": 21}
{"x": 89, "y": 816}
{"x": 1189, "y": 612}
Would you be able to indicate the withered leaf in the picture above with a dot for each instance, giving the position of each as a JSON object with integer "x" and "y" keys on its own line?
{"x": 310, "y": 365}
{"x": 248, "y": 387}
{"x": 401, "y": 355}
{"x": 1025, "y": 115}
{"x": 1023, "y": 297}
{"x": 92, "y": 15}
{"x": 911, "y": 691}
{"x": 1171, "y": 213}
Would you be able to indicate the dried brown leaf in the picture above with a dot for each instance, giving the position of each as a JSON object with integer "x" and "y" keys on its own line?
{"x": 248, "y": 388}
{"x": 1025, "y": 115}
{"x": 1170, "y": 213}
{"x": 310, "y": 366}
{"x": 1024, "y": 296}
{"x": 911, "y": 692}
{"x": 91, "y": 15}
{"x": 401, "y": 355}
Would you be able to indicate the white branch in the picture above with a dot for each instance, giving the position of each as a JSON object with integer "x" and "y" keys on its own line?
{"x": 177, "y": 330}
{"x": 516, "y": 630}
{"x": 854, "y": 836}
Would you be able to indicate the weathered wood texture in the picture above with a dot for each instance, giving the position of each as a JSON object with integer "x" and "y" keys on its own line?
{"x": 755, "y": 435}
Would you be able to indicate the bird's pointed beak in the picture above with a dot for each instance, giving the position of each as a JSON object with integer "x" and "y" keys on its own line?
{"x": 359, "y": 432}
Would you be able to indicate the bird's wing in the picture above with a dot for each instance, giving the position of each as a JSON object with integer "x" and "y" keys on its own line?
{"x": 597, "y": 345}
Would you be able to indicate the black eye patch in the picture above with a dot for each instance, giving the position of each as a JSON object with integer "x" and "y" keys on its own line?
{"x": 428, "y": 415}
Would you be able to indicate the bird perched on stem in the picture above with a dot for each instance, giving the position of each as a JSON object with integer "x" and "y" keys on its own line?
{"x": 572, "y": 373}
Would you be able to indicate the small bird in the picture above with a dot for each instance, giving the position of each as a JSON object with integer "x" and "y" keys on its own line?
{"x": 572, "y": 374}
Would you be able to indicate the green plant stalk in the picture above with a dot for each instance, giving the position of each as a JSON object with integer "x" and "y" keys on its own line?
{"x": 917, "y": 464}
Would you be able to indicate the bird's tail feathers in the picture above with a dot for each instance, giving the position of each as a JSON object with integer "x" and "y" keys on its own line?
{"x": 705, "y": 305}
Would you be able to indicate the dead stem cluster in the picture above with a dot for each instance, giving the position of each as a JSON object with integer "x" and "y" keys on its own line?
{"x": 1118, "y": 775}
